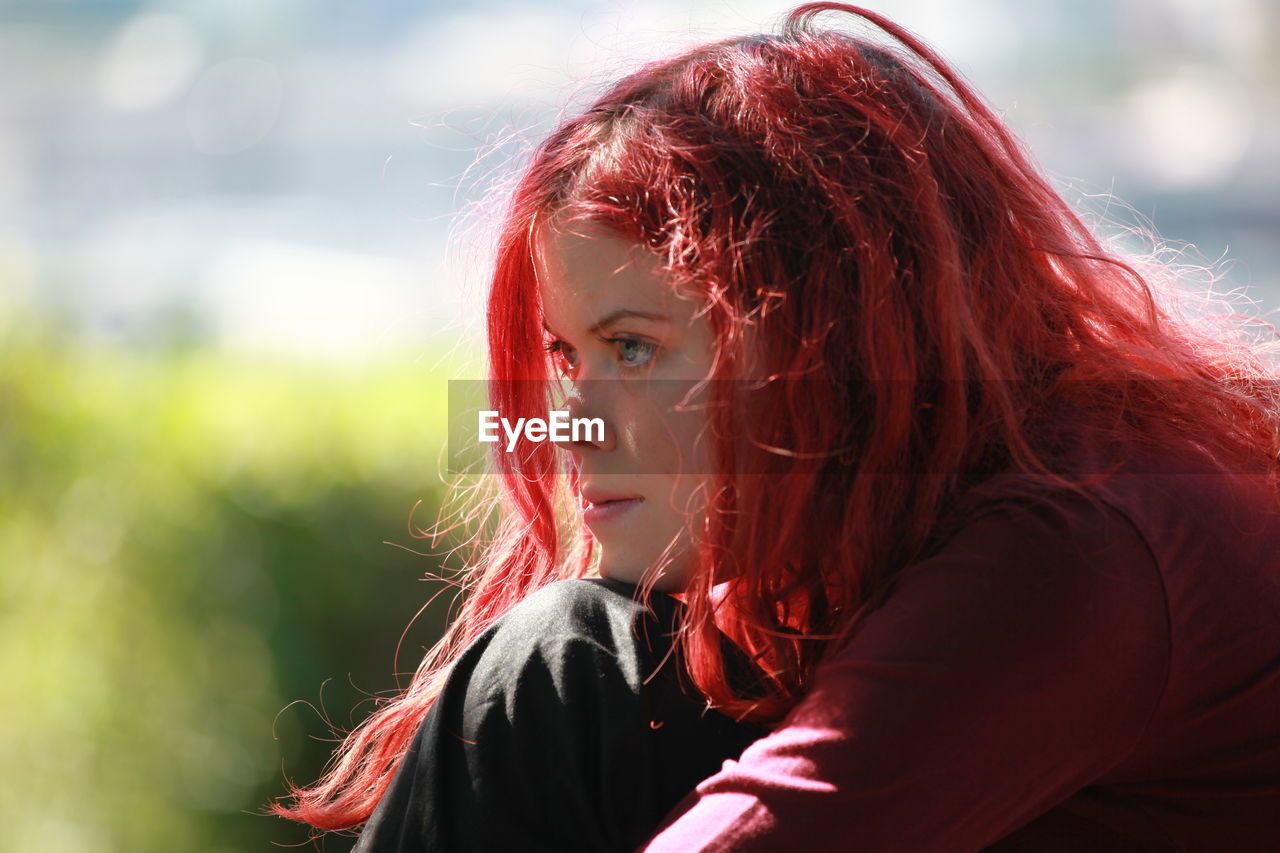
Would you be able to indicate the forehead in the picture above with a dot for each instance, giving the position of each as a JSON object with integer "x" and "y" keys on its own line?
{"x": 584, "y": 266}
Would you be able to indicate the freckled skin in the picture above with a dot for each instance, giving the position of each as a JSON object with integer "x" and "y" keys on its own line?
{"x": 585, "y": 274}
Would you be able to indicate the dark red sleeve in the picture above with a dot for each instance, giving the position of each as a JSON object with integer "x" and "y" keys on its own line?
{"x": 1003, "y": 674}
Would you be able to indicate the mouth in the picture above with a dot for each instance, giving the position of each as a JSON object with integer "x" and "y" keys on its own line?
{"x": 599, "y": 507}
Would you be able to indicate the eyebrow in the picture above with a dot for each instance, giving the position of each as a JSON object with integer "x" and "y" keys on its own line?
{"x": 614, "y": 316}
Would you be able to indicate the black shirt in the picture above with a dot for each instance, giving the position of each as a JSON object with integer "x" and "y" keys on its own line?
{"x": 547, "y": 736}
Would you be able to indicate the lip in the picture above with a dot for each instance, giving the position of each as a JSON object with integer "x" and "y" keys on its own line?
{"x": 600, "y": 496}
{"x": 601, "y": 506}
{"x": 595, "y": 513}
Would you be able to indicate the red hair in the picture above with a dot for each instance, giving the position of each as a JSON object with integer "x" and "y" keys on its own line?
{"x": 887, "y": 239}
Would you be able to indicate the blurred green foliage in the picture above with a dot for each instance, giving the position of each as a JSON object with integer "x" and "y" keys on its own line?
{"x": 189, "y": 542}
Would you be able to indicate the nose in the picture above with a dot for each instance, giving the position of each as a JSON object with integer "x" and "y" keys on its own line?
{"x": 584, "y": 437}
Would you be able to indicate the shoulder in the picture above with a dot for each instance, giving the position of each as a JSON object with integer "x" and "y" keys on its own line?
{"x": 1164, "y": 486}
{"x": 1017, "y": 522}
{"x": 1056, "y": 576}
{"x": 1038, "y": 629}
{"x": 1198, "y": 515}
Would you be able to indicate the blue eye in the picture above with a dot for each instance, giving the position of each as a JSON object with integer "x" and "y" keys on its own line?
{"x": 634, "y": 353}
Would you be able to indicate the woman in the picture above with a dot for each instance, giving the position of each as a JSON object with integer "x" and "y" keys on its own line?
{"x": 945, "y": 528}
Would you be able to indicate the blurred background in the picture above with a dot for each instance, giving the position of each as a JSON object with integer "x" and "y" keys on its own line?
{"x": 242, "y": 251}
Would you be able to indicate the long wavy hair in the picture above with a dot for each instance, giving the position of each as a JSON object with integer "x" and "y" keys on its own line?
{"x": 886, "y": 239}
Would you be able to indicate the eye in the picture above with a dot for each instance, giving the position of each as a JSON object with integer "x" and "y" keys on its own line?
{"x": 563, "y": 355}
{"x": 633, "y": 352}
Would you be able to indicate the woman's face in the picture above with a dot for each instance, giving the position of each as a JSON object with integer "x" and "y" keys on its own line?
{"x": 632, "y": 348}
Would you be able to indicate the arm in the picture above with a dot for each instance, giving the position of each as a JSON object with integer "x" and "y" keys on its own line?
{"x": 1006, "y": 672}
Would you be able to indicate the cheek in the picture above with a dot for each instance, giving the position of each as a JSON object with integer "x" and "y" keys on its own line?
{"x": 670, "y": 442}
{"x": 671, "y": 523}
{"x": 677, "y": 454}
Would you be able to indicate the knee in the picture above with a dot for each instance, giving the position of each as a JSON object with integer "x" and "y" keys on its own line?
{"x": 578, "y": 605}
{"x": 556, "y": 622}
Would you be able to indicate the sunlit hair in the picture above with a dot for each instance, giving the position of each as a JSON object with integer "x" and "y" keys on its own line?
{"x": 886, "y": 239}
